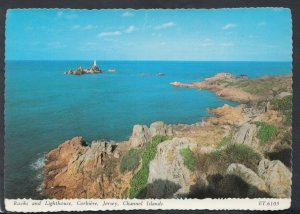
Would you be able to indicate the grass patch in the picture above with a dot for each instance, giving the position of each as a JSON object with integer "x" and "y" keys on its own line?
{"x": 139, "y": 180}
{"x": 188, "y": 158}
{"x": 233, "y": 153}
{"x": 221, "y": 82}
{"x": 256, "y": 86}
{"x": 284, "y": 106}
{"x": 254, "y": 89}
{"x": 130, "y": 161}
{"x": 266, "y": 132}
{"x": 224, "y": 142}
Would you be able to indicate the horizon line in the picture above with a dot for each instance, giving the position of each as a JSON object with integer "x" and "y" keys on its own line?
{"x": 143, "y": 60}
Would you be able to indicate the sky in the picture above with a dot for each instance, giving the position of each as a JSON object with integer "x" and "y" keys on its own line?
{"x": 253, "y": 34}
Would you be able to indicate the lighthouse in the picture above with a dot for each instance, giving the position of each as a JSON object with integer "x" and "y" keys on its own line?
{"x": 95, "y": 64}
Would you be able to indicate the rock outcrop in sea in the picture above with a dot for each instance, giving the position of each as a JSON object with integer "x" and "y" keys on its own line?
{"x": 80, "y": 71}
{"x": 243, "y": 151}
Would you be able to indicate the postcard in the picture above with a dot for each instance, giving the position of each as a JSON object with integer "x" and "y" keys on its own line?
{"x": 125, "y": 109}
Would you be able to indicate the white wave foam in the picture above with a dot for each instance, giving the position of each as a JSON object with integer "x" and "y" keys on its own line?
{"x": 40, "y": 187}
{"x": 38, "y": 164}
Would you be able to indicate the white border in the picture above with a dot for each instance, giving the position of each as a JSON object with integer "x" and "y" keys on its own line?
{"x": 52, "y": 205}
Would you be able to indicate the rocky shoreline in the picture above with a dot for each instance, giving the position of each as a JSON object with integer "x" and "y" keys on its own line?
{"x": 242, "y": 151}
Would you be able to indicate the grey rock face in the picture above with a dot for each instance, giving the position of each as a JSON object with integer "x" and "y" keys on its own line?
{"x": 168, "y": 176}
{"x": 255, "y": 182}
{"x": 277, "y": 177}
{"x": 140, "y": 135}
{"x": 246, "y": 135}
{"x": 103, "y": 146}
{"x": 158, "y": 128}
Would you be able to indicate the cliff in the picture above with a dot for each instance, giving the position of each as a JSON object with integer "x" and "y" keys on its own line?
{"x": 242, "y": 151}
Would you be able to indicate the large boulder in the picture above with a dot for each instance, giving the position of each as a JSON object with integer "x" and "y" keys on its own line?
{"x": 140, "y": 135}
{"x": 160, "y": 128}
{"x": 168, "y": 176}
{"x": 277, "y": 177}
{"x": 256, "y": 184}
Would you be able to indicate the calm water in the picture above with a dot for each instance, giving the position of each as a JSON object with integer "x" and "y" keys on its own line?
{"x": 44, "y": 107}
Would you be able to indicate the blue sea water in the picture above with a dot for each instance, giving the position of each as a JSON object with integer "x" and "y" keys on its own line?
{"x": 44, "y": 107}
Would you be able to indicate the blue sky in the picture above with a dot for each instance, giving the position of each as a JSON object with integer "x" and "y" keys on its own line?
{"x": 257, "y": 34}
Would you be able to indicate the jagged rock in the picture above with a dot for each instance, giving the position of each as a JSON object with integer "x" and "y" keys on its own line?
{"x": 95, "y": 68}
{"x": 256, "y": 184}
{"x": 168, "y": 176}
{"x": 78, "y": 170}
{"x": 140, "y": 135}
{"x": 65, "y": 151}
{"x": 103, "y": 146}
{"x": 158, "y": 128}
{"x": 246, "y": 135}
{"x": 277, "y": 177}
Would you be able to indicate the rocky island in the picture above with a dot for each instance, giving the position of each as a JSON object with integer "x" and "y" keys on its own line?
{"x": 243, "y": 151}
{"x": 80, "y": 71}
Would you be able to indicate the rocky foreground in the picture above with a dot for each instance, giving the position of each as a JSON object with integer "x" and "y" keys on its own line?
{"x": 242, "y": 151}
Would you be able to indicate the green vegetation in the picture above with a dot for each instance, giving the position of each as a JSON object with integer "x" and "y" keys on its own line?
{"x": 139, "y": 180}
{"x": 284, "y": 106}
{"x": 264, "y": 86}
{"x": 266, "y": 132}
{"x": 221, "y": 82}
{"x": 188, "y": 158}
{"x": 131, "y": 160}
{"x": 256, "y": 86}
{"x": 224, "y": 142}
{"x": 234, "y": 153}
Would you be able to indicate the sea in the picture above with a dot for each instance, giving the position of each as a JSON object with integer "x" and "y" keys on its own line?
{"x": 44, "y": 107}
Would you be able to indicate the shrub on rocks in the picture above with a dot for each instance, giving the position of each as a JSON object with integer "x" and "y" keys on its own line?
{"x": 139, "y": 180}
{"x": 266, "y": 132}
{"x": 130, "y": 161}
{"x": 188, "y": 158}
{"x": 233, "y": 153}
{"x": 284, "y": 105}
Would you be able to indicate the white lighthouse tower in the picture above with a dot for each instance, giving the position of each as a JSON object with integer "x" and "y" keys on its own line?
{"x": 95, "y": 64}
